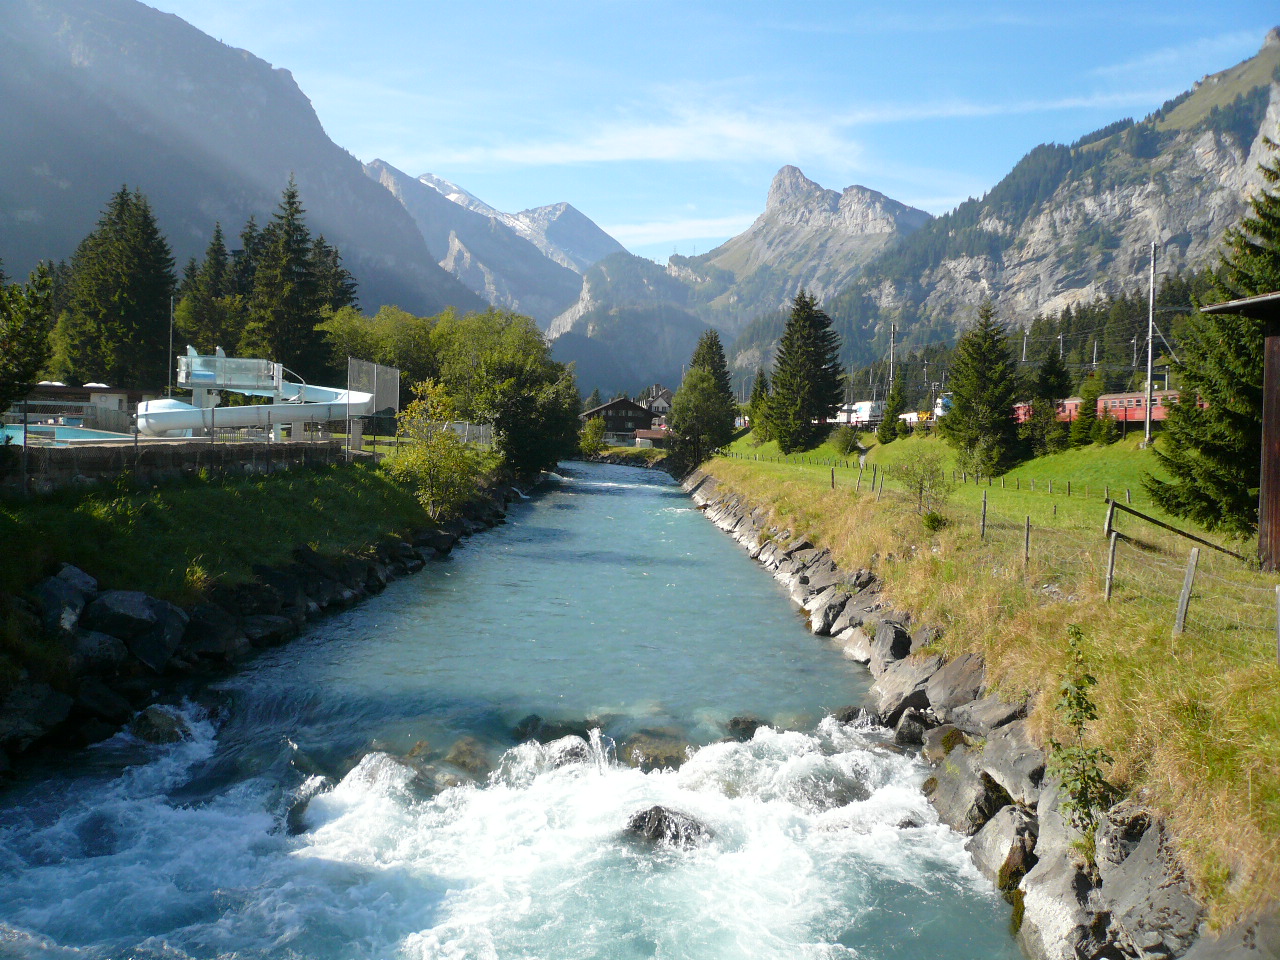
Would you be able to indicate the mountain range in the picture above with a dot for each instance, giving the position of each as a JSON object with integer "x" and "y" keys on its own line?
{"x": 112, "y": 92}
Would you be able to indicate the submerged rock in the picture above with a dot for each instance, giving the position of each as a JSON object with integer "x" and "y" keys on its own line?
{"x": 534, "y": 727}
{"x": 651, "y": 752}
{"x": 157, "y": 725}
{"x": 567, "y": 750}
{"x": 469, "y": 754}
{"x": 744, "y": 728}
{"x": 663, "y": 827}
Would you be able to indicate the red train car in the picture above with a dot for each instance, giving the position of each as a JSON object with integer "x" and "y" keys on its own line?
{"x": 1121, "y": 406}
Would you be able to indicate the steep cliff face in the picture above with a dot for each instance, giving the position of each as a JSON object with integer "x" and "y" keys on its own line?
{"x": 564, "y": 234}
{"x": 1067, "y": 224}
{"x": 807, "y": 238}
{"x": 99, "y": 93}
{"x": 482, "y": 251}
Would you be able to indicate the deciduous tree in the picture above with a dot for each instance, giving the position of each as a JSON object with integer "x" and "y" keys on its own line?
{"x": 26, "y": 318}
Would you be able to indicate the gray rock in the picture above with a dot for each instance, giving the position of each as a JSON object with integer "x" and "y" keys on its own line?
{"x": 94, "y": 652}
{"x": 99, "y": 700}
{"x": 31, "y": 711}
{"x": 60, "y": 604}
{"x": 902, "y": 686}
{"x": 859, "y": 716}
{"x": 265, "y": 629}
{"x": 212, "y": 632}
{"x": 78, "y": 579}
{"x": 828, "y": 575}
{"x": 1058, "y": 923}
{"x": 663, "y": 827}
{"x": 819, "y": 598}
{"x": 822, "y": 616}
{"x": 155, "y": 647}
{"x": 744, "y": 728}
{"x": 469, "y": 754}
{"x": 963, "y": 795}
{"x": 940, "y": 741}
{"x": 653, "y": 751}
{"x": 850, "y": 616}
{"x": 980, "y": 717}
{"x": 534, "y": 727}
{"x": 892, "y": 642}
{"x": 960, "y": 681}
{"x": 924, "y": 637}
{"x": 567, "y": 750}
{"x": 910, "y": 729}
{"x": 1015, "y": 762}
{"x": 855, "y": 644}
{"x": 158, "y": 725}
{"x": 150, "y": 628}
{"x": 1255, "y": 937}
{"x": 1004, "y": 849}
{"x": 1150, "y": 900}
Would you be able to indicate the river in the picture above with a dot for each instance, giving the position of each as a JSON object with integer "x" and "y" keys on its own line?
{"x": 311, "y": 814}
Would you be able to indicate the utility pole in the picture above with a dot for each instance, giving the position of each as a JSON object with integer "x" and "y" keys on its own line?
{"x": 1059, "y": 346}
{"x": 1095, "y": 354}
{"x": 1134, "y": 341}
{"x": 893, "y": 329}
{"x": 1151, "y": 345}
{"x": 169, "y": 363}
{"x": 1024, "y": 346}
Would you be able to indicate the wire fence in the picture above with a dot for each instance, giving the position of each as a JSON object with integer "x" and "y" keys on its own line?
{"x": 1214, "y": 603}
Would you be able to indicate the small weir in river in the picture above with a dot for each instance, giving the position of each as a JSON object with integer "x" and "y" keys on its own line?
{"x": 364, "y": 792}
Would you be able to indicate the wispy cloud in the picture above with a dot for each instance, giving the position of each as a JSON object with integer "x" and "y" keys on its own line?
{"x": 1210, "y": 49}
{"x": 670, "y": 231}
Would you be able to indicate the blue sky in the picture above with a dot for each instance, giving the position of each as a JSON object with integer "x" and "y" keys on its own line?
{"x": 665, "y": 121}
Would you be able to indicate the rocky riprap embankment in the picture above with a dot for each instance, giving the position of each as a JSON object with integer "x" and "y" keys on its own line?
{"x": 123, "y": 648}
{"x": 988, "y": 780}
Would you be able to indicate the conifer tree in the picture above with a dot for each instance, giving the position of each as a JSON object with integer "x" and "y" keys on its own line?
{"x": 335, "y": 286}
{"x": 593, "y": 401}
{"x": 285, "y": 307}
{"x": 716, "y": 421}
{"x": 806, "y": 377}
{"x": 758, "y": 407}
{"x": 26, "y": 318}
{"x": 1087, "y": 416}
{"x": 116, "y": 328}
{"x": 894, "y": 404}
{"x": 210, "y": 314}
{"x": 1213, "y": 452}
{"x": 984, "y": 385}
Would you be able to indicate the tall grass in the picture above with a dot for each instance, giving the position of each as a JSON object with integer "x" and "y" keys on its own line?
{"x": 1193, "y": 722}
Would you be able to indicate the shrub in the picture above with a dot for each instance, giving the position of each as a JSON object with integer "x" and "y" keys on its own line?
{"x": 933, "y": 521}
{"x": 1079, "y": 767}
{"x": 845, "y": 439}
{"x": 924, "y": 478}
{"x": 591, "y": 439}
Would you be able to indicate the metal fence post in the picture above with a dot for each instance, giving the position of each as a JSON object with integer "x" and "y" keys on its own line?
{"x": 1111, "y": 565}
{"x": 1180, "y": 622}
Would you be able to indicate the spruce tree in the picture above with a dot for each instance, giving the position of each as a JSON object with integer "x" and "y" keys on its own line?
{"x": 210, "y": 314}
{"x": 894, "y": 404}
{"x": 593, "y": 401}
{"x": 758, "y": 407}
{"x": 26, "y": 318}
{"x": 1213, "y": 452}
{"x": 117, "y": 324}
{"x": 984, "y": 386}
{"x": 806, "y": 377}
{"x": 1087, "y": 416}
{"x": 335, "y": 286}
{"x": 717, "y": 421}
{"x": 285, "y": 307}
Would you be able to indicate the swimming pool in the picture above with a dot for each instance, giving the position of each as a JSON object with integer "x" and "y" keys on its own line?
{"x": 58, "y": 435}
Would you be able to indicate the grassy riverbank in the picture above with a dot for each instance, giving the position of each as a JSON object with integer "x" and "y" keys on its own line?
{"x": 177, "y": 540}
{"x": 1192, "y": 722}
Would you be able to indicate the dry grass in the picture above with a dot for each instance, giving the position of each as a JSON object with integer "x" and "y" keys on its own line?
{"x": 1193, "y": 723}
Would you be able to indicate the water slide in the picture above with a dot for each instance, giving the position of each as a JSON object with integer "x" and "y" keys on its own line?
{"x": 293, "y": 402}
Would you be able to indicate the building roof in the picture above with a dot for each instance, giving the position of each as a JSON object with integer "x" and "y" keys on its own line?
{"x": 621, "y": 404}
{"x": 1264, "y": 306}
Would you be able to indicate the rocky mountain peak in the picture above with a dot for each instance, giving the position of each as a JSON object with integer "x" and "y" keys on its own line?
{"x": 790, "y": 187}
{"x": 1272, "y": 38}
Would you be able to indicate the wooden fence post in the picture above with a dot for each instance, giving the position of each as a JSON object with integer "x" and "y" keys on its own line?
{"x": 1017, "y": 483}
{"x": 880, "y": 489}
{"x": 1002, "y": 483}
{"x": 1128, "y": 497}
{"x": 982, "y": 530}
{"x": 1111, "y": 513}
{"x": 1111, "y": 564}
{"x": 1180, "y": 622}
{"x": 1026, "y": 542}
{"x": 1068, "y": 488}
{"x": 1051, "y": 488}
{"x": 833, "y": 478}
{"x": 858, "y": 488}
{"x": 1106, "y": 491}
{"x": 1278, "y": 623}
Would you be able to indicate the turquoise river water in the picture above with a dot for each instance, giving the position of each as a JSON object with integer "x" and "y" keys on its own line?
{"x": 310, "y": 814}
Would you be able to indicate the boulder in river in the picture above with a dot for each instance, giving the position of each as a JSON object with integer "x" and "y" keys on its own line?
{"x": 653, "y": 751}
{"x": 567, "y": 750}
{"x": 158, "y": 725}
{"x": 469, "y": 754}
{"x": 891, "y": 643}
{"x": 662, "y": 827}
{"x": 743, "y": 728}
{"x": 534, "y": 727}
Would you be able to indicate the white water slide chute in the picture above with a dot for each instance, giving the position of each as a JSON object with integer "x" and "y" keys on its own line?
{"x": 293, "y": 401}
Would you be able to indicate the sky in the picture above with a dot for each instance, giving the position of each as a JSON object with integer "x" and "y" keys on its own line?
{"x": 664, "y": 122}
